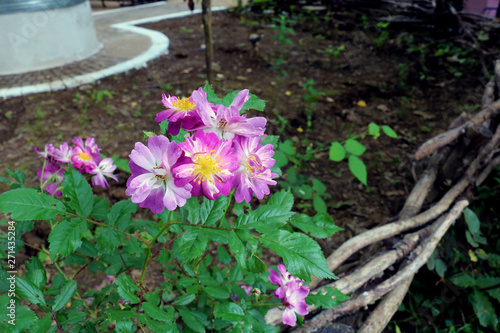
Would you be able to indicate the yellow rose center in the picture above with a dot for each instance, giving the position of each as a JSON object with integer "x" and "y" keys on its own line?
{"x": 183, "y": 105}
{"x": 85, "y": 156}
{"x": 206, "y": 166}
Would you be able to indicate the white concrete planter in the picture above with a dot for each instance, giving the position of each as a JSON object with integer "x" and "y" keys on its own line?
{"x": 42, "y": 34}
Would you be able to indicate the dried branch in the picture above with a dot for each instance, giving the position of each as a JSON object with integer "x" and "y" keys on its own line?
{"x": 448, "y": 137}
{"x": 421, "y": 255}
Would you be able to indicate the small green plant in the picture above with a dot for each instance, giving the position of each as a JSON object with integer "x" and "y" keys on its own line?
{"x": 185, "y": 30}
{"x": 333, "y": 51}
{"x": 311, "y": 97}
{"x": 284, "y": 30}
{"x": 384, "y": 34}
{"x": 352, "y": 149}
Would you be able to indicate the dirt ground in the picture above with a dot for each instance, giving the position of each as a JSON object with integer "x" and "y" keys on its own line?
{"x": 386, "y": 79}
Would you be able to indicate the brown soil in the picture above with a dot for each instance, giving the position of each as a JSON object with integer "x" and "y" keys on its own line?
{"x": 415, "y": 109}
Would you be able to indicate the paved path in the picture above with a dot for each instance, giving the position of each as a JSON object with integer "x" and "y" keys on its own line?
{"x": 125, "y": 47}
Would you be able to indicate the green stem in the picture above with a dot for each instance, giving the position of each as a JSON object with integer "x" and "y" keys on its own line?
{"x": 151, "y": 244}
{"x": 202, "y": 226}
{"x": 110, "y": 227}
{"x": 230, "y": 197}
{"x": 41, "y": 176}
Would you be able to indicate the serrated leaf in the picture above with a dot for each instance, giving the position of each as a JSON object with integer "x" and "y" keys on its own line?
{"x": 66, "y": 294}
{"x": 212, "y": 211}
{"x": 36, "y": 272}
{"x": 100, "y": 209}
{"x": 185, "y": 299}
{"x": 337, "y": 152}
{"x": 66, "y": 237}
{"x": 126, "y": 288}
{"x": 319, "y": 226}
{"x": 328, "y": 300}
{"x": 107, "y": 239}
{"x": 389, "y": 132}
{"x": 462, "y": 280}
{"x": 483, "y": 308}
{"x": 358, "y": 168}
{"x": 191, "y": 244}
{"x": 120, "y": 213}
{"x": 217, "y": 292}
{"x": 17, "y": 175}
{"x": 43, "y": 325}
{"x": 302, "y": 255}
{"x": 472, "y": 220}
{"x": 192, "y": 321}
{"x": 155, "y": 312}
{"x": 270, "y": 139}
{"x": 27, "y": 289}
{"x": 223, "y": 256}
{"x": 354, "y": 147}
{"x": 193, "y": 207}
{"x": 27, "y": 204}
{"x": 79, "y": 192}
{"x": 229, "y": 311}
{"x": 253, "y": 102}
{"x": 211, "y": 97}
{"x": 280, "y": 158}
{"x": 163, "y": 126}
{"x": 282, "y": 198}
{"x": 26, "y": 320}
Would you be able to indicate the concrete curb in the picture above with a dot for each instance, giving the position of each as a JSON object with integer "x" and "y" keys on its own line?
{"x": 159, "y": 46}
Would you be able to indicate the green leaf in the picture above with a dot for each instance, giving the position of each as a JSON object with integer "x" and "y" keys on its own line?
{"x": 212, "y": 211}
{"x": 28, "y": 204}
{"x": 100, "y": 209}
{"x": 43, "y": 325}
{"x": 193, "y": 207}
{"x": 319, "y": 226}
{"x": 440, "y": 267}
{"x": 217, "y": 292}
{"x": 281, "y": 159}
{"x": 389, "y": 132}
{"x": 374, "y": 130}
{"x": 121, "y": 163}
{"x": 26, "y": 320}
{"x": 494, "y": 293}
{"x": 107, "y": 239}
{"x": 223, "y": 256}
{"x": 127, "y": 288}
{"x": 120, "y": 213}
{"x": 27, "y": 289}
{"x": 302, "y": 255}
{"x": 358, "y": 168}
{"x": 318, "y": 186}
{"x": 185, "y": 299}
{"x": 5, "y": 180}
{"x": 79, "y": 192}
{"x": 253, "y": 102}
{"x": 470, "y": 239}
{"x": 329, "y": 300}
{"x": 337, "y": 152}
{"x": 282, "y": 198}
{"x": 17, "y": 175}
{"x": 66, "y": 294}
{"x": 270, "y": 139}
{"x": 155, "y": 312}
{"x": 319, "y": 204}
{"x": 36, "y": 272}
{"x": 192, "y": 321}
{"x": 483, "y": 308}
{"x": 191, "y": 244}
{"x": 287, "y": 147}
{"x": 354, "y": 147}
{"x": 229, "y": 311}
{"x": 462, "y": 280}
{"x": 163, "y": 126}
{"x": 66, "y": 237}
{"x": 211, "y": 97}
{"x": 472, "y": 220}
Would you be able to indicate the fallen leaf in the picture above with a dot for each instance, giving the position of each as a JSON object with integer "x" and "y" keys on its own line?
{"x": 362, "y": 104}
{"x": 241, "y": 78}
{"x": 383, "y": 108}
{"x": 187, "y": 70}
{"x": 424, "y": 115}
